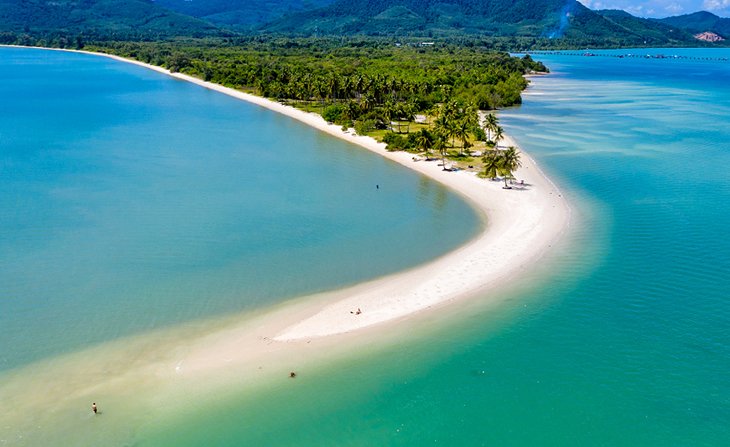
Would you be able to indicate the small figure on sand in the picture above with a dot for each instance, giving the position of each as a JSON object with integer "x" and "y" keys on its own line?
{"x": 357, "y": 312}
{"x": 93, "y": 408}
{"x": 292, "y": 374}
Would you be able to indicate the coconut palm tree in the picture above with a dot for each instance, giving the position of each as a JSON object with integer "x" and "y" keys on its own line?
{"x": 440, "y": 145}
{"x": 367, "y": 102}
{"x": 409, "y": 114}
{"x": 389, "y": 112}
{"x": 510, "y": 161}
{"x": 461, "y": 131}
{"x": 498, "y": 135}
{"x": 492, "y": 164}
{"x": 351, "y": 110}
{"x": 424, "y": 140}
{"x": 491, "y": 122}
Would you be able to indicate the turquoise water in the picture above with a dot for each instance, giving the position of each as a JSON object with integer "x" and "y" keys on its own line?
{"x": 624, "y": 339}
{"x": 621, "y": 339}
{"x": 130, "y": 201}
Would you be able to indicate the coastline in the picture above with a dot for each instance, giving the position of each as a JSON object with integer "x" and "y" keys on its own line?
{"x": 195, "y": 361}
{"x": 521, "y": 224}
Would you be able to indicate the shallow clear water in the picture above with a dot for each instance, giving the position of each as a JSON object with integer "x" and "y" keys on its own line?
{"x": 131, "y": 201}
{"x": 624, "y": 339}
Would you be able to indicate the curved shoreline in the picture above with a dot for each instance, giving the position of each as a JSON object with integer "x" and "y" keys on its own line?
{"x": 521, "y": 225}
{"x": 193, "y": 362}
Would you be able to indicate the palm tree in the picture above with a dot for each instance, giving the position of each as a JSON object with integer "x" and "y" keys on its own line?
{"x": 321, "y": 88}
{"x": 491, "y": 123}
{"x": 351, "y": 110}
{"x": 409, "y": 111}
{"x": 498, "y": 135}
{"x": 461, "y": 131}
{"x": 424, "y": 141}
{"x": 442, "y": 124}
{"x": 492, "y": 164}
{"x": 389, "y": 112}
{"x": 510, "y": 161}
{"x": 367, "y": 102}
{"x": 440, "y": 145}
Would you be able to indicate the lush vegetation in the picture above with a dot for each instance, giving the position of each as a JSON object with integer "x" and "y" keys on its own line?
{"x": 356, "y": 81}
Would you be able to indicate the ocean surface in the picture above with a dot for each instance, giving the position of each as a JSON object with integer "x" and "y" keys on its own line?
{"x": 620, "y": 337}
{"x": 130, "y": 201}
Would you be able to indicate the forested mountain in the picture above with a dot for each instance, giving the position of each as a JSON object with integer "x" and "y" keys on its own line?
{"x": 504, "y": 17}
{"x": 103, "y": 18}
{"x": 648, "y": 30}
{"x": 533, "y": 18}
{"x": 700, "y": 22}
{"x": 241, "y": 13}
{"x": 521, "y": 22}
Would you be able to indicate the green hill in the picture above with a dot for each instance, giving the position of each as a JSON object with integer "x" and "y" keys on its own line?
{"x": 700, "y": 22}
{"x": 646, "y": 30}
{"x": 241, "y": 14}
{"x": 103, "y": 18}
{"x": 527, "y": 18}
{"x": 424, "y": 17}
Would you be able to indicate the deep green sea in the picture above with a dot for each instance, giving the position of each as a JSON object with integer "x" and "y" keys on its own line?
{"x": 620, "y": 337}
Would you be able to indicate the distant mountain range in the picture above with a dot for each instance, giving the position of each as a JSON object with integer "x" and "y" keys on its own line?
{"x": 241, "y": 14}
{"x": 99, "y": 17}
{"x": 567, "y": 19}
{"x": 528, "y": 18}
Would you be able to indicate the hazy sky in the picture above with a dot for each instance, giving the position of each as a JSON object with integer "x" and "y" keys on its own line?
{"x": 662, "y": 8}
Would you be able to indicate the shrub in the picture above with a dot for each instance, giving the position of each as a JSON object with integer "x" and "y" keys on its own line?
{"x": 332, "y": 113}
{"x": 362, "y": 127}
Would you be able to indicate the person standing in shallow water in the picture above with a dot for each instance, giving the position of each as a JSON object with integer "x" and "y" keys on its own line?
{"x": 93, "y": 408}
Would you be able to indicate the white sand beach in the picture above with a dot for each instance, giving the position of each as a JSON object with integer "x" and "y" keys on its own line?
{"x": 522, "y": 224}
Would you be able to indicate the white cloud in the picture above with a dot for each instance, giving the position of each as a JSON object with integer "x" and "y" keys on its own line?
{"x": 637, "y": 10}
{"x": 674, "y": 8}
{"x": 661, "y": 8}
{"x": 715, "y": 5}
{"x": 594, "y": 4}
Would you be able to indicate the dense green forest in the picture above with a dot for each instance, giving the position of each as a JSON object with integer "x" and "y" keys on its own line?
{"x": 325, "y": 70}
